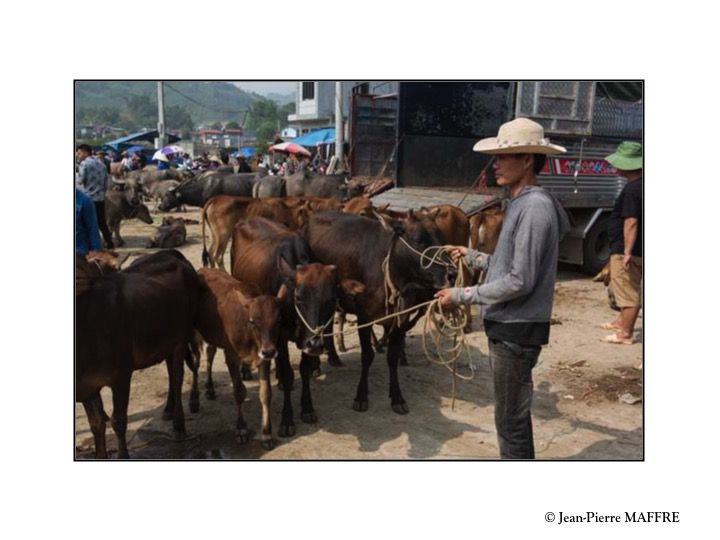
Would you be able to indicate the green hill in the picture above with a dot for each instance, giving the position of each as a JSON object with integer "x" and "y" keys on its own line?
{"x": 133, "y": 104}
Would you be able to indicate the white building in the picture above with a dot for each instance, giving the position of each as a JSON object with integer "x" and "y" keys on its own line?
{"x": 315, "y": 102}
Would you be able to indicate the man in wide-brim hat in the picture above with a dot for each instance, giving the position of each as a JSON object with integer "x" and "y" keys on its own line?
{"x": 518, "y": 292}
{"x": 625, "y": 235}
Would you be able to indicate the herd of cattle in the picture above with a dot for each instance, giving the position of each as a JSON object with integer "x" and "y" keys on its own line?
{"x": 302, "y": 249}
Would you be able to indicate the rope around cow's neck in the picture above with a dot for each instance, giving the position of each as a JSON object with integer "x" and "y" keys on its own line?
{"x": 318, "y": 331}
{"x": 440, "y": 326}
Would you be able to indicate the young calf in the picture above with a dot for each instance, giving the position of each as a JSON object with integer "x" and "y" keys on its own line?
{"x": 247, "y": 328}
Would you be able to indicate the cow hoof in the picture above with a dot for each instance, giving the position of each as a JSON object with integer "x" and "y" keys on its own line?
{"x": 268, "y": 444}
{"x": 309, "y": 417}
{"x": 400, "y": 408}
{"x": 210, "y": 394}
{"x": 287, "y": 430}
{"x": 335, "y": 362}
{"x": 243, "y": 435}
{"x": 167, "y": 415}
{"x": 360, "y": 406}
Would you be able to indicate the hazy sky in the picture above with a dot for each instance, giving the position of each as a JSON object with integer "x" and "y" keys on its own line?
{"x": 264, "y": 87}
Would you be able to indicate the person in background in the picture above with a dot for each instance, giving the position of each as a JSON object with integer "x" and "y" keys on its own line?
{"x": 243, "y": 166}
{"x": 626, "y": 252}
{"x": 92, "y": 179}
{"x": 87, "y": 235}
{"x": 163, "y": 162}
{"x": 517, "y": 296}
{"x": 102, "y": 158}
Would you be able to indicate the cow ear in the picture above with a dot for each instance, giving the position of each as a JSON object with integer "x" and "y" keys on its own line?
{"x": 433, "y": 213}
{"x": 352, "y": 287}
{"x": 282, "y": 293}
{"x": 285, "y": 270}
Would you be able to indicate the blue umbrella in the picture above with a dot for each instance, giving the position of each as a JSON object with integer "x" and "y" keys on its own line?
{"x": 134, "y": 149}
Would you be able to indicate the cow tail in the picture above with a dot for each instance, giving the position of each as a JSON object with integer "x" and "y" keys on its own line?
{"x": 205, "y": 257}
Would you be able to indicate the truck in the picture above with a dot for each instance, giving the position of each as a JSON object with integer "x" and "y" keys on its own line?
{"x": 421, "y": 134}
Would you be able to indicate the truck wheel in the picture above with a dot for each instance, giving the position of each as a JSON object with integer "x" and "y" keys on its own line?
{"x": 596, "y": 247}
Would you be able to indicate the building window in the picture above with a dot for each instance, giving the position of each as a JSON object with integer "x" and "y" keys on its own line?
{"x": 308, "y": 90}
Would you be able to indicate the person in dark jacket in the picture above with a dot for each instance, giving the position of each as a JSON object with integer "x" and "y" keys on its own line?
{"x": 517, "y": 296}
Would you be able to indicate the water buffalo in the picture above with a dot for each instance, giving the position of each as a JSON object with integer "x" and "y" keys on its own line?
{"x": 200, "y": 190}
{"x": 305, "y": 184}
{"x": 117, "y": 208}
{"x": 170, "y": 234}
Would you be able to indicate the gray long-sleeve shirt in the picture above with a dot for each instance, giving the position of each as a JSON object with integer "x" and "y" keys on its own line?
{"x": 521, "y": 273}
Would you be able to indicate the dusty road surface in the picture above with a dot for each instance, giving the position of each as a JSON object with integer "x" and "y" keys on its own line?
{"x": 577, "y": 410}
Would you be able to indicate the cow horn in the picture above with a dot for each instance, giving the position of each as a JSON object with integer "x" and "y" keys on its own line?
{"x": 118, "y": 182}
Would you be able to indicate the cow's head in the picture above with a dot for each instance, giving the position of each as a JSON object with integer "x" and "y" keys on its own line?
{"x": 421, "y": 232}
{"x": 141, "y": 212}
{"x": 263, "y": 319}
{"x": 316, "y": 289}
{"x": 106, "y": 262}
{"x": 485, "y": 228}
{"x": 171, "y": 199}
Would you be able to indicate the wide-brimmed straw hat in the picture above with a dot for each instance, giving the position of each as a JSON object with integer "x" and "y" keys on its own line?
{"x": 627, "y": 157}
{"x": 519, "y": 136}
{"x": 215, "y": 159}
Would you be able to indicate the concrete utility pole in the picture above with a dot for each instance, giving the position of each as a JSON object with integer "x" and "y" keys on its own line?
{"x": 338, "y": 125}
{"x": 161, "y": 140}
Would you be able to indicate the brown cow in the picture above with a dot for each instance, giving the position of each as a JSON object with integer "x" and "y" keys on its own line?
{"x": 359, "y": 206}
{"x": 485, "y": 229}
{"x": 222, "y": 213}
{"x": 247, "y": 328}
{"x": 266, "y": 255}
{"x": 131, "y": 320}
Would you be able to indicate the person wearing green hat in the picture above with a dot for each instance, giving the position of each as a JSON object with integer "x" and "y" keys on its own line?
{"x": 625, "y": 235}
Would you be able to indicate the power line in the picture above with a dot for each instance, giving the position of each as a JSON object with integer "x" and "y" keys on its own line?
{"x": 214, "y": 109}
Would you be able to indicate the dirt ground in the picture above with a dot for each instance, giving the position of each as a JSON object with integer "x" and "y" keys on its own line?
{"x": 587, "y": 402}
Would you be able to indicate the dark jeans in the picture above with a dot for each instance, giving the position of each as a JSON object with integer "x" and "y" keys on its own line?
{"x": 102, "y": 223}
{"x": 511, "y": 366}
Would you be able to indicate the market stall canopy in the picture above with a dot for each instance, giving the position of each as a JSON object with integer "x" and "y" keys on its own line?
{"x": 148, "y": 136}
{"x": 246, "y": 151}
{"x": 320, "y": 136}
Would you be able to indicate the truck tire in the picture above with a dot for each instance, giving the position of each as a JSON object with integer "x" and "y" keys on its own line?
{"x": 596, "y": 246}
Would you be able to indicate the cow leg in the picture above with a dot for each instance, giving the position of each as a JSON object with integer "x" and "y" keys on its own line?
{"x": 340, "y": 320}
{"x": 395, "y": 344}
{"x": 307, "y": 412}
{"x": 210, "y": 351}
{"x": 379, "y": 345}
{"x": 367, "y": 356}
{"x": 220, "y": 254}
{"x": 246, "y": 373}
{"x": 285, "y": 374}
{"x": 265, "y": 396}
{"x": 242, "y": 434}
{"x": 96, "y": 419}
{"x": 121, "y": 397}
{"x": 333, "y": 358}
{"x": 402, "y": 356}
{"x": 177, "y": 372}
{"x": 116, "y": 233}
{"x": 192, "y": 360}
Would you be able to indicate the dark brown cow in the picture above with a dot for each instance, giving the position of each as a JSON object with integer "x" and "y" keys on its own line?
{"x": 266, "y": 255}
{"x": 131, "y": 320}
{"x": 247, "y": 328}
{"x": 362, "y": 260}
